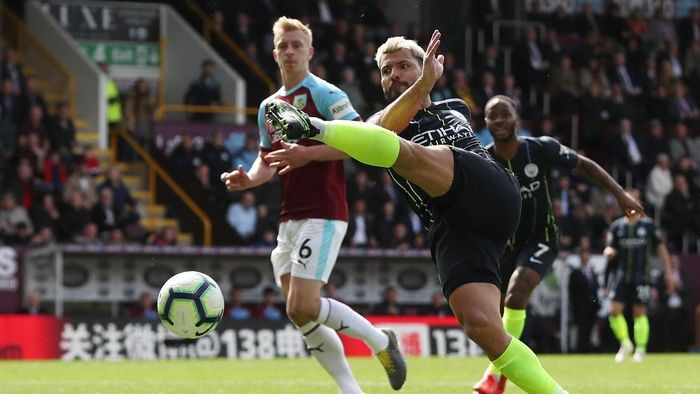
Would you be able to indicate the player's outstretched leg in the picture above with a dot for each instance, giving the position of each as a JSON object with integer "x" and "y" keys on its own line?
{"x": 476, "y": 306}
{"x": 368, "y": 143}
{"x": 383, "y": 343}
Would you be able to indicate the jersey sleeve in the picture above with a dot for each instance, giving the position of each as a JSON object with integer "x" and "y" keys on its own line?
{"x": 334, "y": 104}
{"x": 264, "y": 138}
{"x": 654, "y": 234}
{"x": 557, "y": 154}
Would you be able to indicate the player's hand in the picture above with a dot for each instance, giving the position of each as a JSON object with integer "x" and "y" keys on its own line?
{"x": 237, "y": 179}
{"x": 291, "y": 156}
{"x": 630, "y": 206}
{"x": 433, "y": 65}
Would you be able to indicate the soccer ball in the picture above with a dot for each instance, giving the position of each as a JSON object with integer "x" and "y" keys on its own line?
{"x": 190, "y": 304}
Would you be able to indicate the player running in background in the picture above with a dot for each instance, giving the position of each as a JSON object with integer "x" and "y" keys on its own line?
{"x": 533, "y": 248}
{"x": 469, "y": 203}
{"x": 630, "y": 244}
{"x": 314, "y": 214}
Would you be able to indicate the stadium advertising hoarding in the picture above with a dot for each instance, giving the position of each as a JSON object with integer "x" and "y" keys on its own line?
{"x": 669, "y": 8}
{"x": 45, "y": 337}
{"x": 126, "y": 36}
{"x": 10, "y": 279}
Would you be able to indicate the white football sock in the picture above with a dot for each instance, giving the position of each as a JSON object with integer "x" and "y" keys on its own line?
{"x": 326, "y": 347}
{"x": 342, "y": 318}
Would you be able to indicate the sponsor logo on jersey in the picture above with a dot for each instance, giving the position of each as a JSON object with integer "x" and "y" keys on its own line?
{"x": 299, "y": 101}
{"x": 526, "y": 191}
{"x": 531, "y": 170}
{"x": 633, "y": 242}
{"x": 564, "y": 151}
{"x": 341, "y": 108}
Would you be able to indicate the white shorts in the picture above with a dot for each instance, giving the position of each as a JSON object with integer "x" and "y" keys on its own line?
{"x": 307, "y": 248}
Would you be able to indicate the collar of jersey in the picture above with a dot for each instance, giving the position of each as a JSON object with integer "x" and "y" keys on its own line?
{"x": 287, "y": 92}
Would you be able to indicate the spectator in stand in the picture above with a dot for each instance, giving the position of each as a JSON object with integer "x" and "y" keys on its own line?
{"x": 144, "y": 309}
{"x": 401, "y": 238}
{"x": 213, "y": 190}
{"x": 350, "y": 86}
{"x": 621, "y": 74}
{"x": 31, "y": 97}
{"x": 47, "y": 214}
{"x": 682, "y": 106}
{"x": 24, "y": 186}
{"x": 389, "y": 304}
{"x": 32, "y": 304}
{"x": 12, "y": 216}
{"x": 8, "y": 139}
{"x": 10, "y": 101}
{"x": 491, "y": 61}
{"x": 461, "y": 89}
{"x": 441, "y": 91}
{"x": 563, "y": 86}
{"x": 660, "y": 182}
{"x": 108, "y": 215}
{"x": 204, "y": 91}
{"x": 684, "y": 145}
{"x": 186, "y": 155}
{"x": 437, "y": 306}
{"x": 139, "y": 108}
{"x": 360, "y": 226}
{"x": 661, "y": 30}
{"x": 115, "y": 237}
{"x": 583, "y": 293}
{"x": 654, "y": 143}
{"x": 112, "y": 97}
{"x": 55, "y": 173}
{"x": 247, "y": 156}
{"x": 626, "y": 151}
{"x": 123, "y": 201}
{"x": 268, "y": 310}
{"x": 235, "y": 308}
{"x": 680, "y": 213}
{"x": 243, "y": 215}
{"x": 488, "y": 89}
{"x": 81, "y": 181}
{"x": 61, "y": 129}
{"x": 530, "y": 58}
{"x": 167, "y": 236}
{"x": 216, "y": 155}
{"x": 76, "y": 215}
{"x": 90, "y": 235}
{"x": 11, "y": 70}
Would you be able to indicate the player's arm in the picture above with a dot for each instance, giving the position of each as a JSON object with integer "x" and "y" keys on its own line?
{"x": 665, "y": 257}
{"x": 399, "y": 113}
{"x": 259, "y": 173}
{"x": 596, "y": 174}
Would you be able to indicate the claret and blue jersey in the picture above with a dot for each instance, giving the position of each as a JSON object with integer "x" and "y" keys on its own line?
{"x": 316, "y": 190}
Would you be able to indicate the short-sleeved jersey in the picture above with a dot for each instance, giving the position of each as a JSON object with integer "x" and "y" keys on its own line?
{"x": 316, "y": 190}
{"x": 635, "y": 244}
{"x": 535, "y": 157}
{"x": 446, "y": 122}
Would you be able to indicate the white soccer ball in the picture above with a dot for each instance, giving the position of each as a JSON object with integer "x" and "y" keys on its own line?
{"x": 190, "y": 304}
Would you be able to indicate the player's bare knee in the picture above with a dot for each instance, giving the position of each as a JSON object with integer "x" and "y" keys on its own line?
{"x": 301, "y": 312}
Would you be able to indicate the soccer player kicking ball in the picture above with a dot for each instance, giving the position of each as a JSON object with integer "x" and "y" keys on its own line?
{"x": 533, "y": 248}
{"x": 469, "y": 203}
{"x": 630, "y": 241}
{"x": 314, "y": 215}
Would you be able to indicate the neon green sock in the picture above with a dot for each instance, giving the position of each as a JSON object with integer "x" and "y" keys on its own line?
{"x": 520, "y": 364}
{"x": 514, "y": 323}
{"x": 641, "y": 332}
{"x": 365, "y": 142}
{"x": 619, "y": 328}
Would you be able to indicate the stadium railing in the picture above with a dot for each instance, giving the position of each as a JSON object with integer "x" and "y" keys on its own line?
{"x": 163, "y": 109}
{"x": 155, "y": 170}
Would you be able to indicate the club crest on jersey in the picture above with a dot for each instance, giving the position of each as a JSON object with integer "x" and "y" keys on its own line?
{"x": 531, "y": 170}
{"x": 299, "y": 101}
{"x": 641, "y": 232}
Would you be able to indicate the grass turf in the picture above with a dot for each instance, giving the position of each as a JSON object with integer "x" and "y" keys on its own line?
{"x": 660, "y": 373}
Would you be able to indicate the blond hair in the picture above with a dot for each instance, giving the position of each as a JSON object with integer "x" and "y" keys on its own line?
{"x": 284, "y": 24}
{"x": 394, "y": 44}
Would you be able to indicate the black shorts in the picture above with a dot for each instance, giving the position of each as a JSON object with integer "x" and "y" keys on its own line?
{"x": 473, "y": 221}
{"x": 538, "y": 256}
{"x": 630, "y": 293}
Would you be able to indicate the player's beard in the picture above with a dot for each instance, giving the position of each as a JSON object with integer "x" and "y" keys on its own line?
{"x": 395, "y": 91}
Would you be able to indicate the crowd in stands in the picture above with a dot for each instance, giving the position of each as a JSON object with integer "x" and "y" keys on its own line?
{"x": 632, "y": 83}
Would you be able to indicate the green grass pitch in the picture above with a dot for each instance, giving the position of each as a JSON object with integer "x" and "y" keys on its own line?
{"x": 666, "y": 373}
